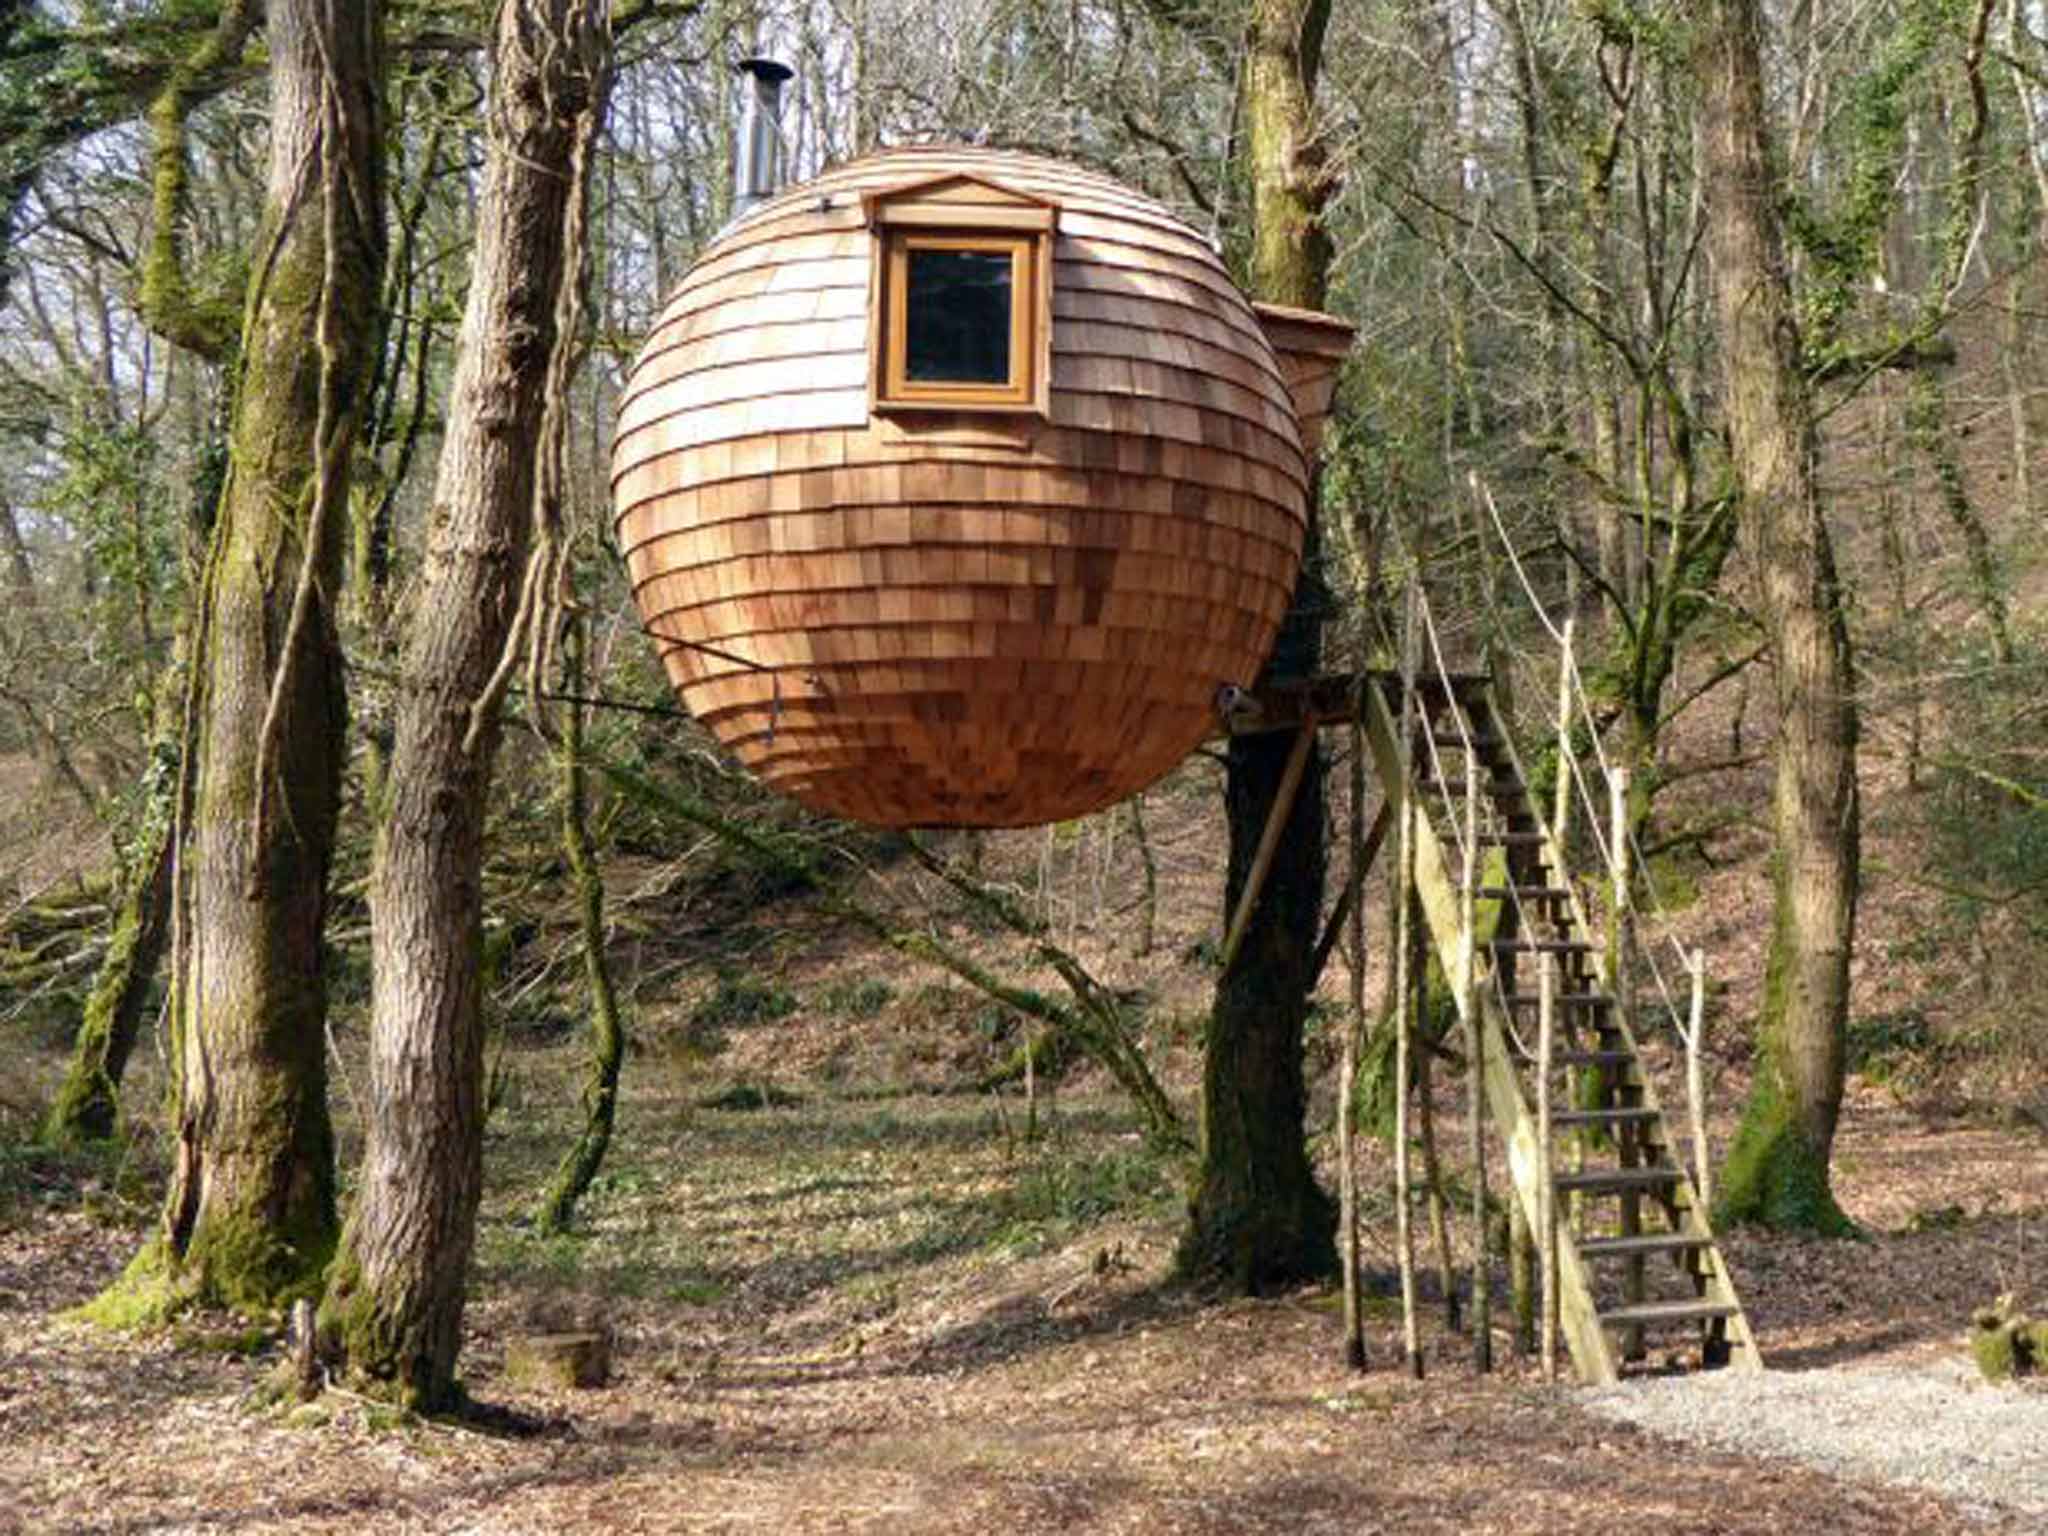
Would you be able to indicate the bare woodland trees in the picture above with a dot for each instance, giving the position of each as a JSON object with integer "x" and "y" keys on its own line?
{"x": 394, "y": 1302}
{"x": 1778, "y": 1170}
{"x": 1514, "y": 195}
{"x": 250, "y": 1214}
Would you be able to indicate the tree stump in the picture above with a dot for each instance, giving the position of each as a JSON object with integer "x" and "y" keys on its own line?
{"x": 2007, "y": 1343}
{"x": 560, "y": 1360}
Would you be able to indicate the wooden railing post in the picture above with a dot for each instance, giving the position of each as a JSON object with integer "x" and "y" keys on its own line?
{"x": 1546, "y": 1191}
{"x": 1347, "y": 1077}
{"x": 1620, "y": 944}
{"x": 1561, "y": 800}
{"x": 1404, "y": 988}
{"x": 1696, "y": 1078}
{"x": 1475, "y": 1065}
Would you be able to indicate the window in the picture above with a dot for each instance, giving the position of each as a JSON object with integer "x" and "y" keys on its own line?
{"x": 959, "y": 329}
{"x": 962, "y": 299}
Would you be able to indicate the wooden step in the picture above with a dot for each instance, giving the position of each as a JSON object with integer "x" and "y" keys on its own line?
{"x": 1618, "y": 1181}
{"x": 1620, "y": 1114}
{"x": 1462, "y": 685}
{"x": 1481, "y": 742}
{"x": 1592, "y": 1058}
{"x": 1524, "y": 893}
{"x": 1632, "y": 1247}
{"x": 1439, "y": 688}
{"x": 1562, "y": 999}
{"x": 1540, "y": 946}
{"x": 1650, "y": 1313}
{"x": 1472, "y": 686}
{"x": 1497, "y": 789}
{"x": 1515, "y": 839}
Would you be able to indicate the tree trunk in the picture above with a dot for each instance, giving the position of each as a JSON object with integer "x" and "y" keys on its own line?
{"x": 607, "y": 1029}
{"x": 21, "y": 578}
{"x": 394, "y": 1303}
{"x": 1778, "y": 1168}
{"x": 88, "y": 1102}
{"x": 249, "y": 1218}
{"x": 1257, "y": 1217}
{"x": 1929, "y": 430}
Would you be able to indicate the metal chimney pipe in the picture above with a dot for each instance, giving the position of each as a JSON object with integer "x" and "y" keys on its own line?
{"x": 757, "y": 168}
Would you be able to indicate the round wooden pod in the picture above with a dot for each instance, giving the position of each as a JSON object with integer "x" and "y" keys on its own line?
{"x": 959, "y": 617}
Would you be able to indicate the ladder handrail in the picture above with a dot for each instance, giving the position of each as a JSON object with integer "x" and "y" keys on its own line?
{"x": 1433, "y": 891}
{"x": 1685, "y": 1194}
{"x": 1451, "y": 921}
{"x": 1577, "y": 688}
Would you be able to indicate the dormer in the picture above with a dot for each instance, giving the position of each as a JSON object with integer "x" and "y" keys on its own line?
{"x": 960, "y": 297}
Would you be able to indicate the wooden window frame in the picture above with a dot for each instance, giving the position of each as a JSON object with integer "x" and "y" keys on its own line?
{"x": 1026, "y": 234}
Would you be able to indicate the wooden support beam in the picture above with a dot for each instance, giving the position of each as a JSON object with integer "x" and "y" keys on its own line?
{"x": 1269, "y": 843}
{"x": 1294, "y": 704}
{"x": 1334, "y": 928}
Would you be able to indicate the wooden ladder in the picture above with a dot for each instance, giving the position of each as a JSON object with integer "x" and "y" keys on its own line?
{"x": 1613, "y": 1157}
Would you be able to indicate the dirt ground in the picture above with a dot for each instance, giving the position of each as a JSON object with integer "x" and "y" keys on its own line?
{"x": 849, "y": 1314}
{"x": 878, "y": 1307}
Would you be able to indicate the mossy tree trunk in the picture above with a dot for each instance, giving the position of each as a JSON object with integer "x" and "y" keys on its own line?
{"x": 249, "y": 1217}
{"x": 1778, "y": 1168}
{"x": 395, "y": 1300}
{"x": 1257, "y": 1217}
{"x": 607, "y": 1027}
{"x": 88, "y": 1102}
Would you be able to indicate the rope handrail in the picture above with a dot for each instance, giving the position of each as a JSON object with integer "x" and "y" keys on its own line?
{"x": 1576, "y": 688}
{"x": 1467, "y": 829}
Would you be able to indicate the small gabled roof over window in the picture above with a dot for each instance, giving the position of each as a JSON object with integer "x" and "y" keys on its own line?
{"x": 959, "y": 201}
{"x": 961, "y": 298}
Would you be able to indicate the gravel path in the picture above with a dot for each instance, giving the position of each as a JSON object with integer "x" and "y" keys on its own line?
{"x": 1936, "y": 1427}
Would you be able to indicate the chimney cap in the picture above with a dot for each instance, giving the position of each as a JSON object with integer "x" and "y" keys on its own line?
{"x": 772, "y": 70}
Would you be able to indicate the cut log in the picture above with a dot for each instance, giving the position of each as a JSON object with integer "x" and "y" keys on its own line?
{"x": 560, "y": 1360}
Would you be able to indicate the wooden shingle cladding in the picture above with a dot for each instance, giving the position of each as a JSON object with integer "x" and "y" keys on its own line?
{"x": 959, "y": 617}
{"x": 1311, "y": 348}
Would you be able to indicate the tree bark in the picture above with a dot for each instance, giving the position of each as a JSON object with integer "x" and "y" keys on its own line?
{"x": 249, "y": 1218}
{"x": 88, "y": 1102}
{"x": 21, "y": 578}
{"x": 1778, "y": 1168}
{"x": 394, "y": 1302}
{"x": 1257, "y": 1217}
{"x": 573, "y": 1178}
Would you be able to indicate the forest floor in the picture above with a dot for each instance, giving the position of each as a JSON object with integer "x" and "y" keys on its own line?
{"x": 865, "y": 1314}
{"x": 845, "y": 1295}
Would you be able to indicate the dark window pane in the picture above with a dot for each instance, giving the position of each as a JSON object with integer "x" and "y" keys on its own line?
{"x": 958, "y": 325}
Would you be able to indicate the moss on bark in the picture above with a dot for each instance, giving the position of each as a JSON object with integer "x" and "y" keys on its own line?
{"x": 243, "y": 1264}
{"x": 1775, "y": 1176}
{"x": 88, "y": 1102}
{"x": 387, "y": 1354}
{"x": 1776, "y": 1173}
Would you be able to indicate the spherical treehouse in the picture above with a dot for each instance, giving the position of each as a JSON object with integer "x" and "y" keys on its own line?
{"x": 955, "y": 484}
